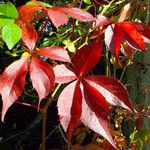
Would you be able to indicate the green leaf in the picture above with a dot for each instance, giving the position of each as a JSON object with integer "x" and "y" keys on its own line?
{"x": 87, "y": 1}
{"x": 35, "y": 4}
{"x": 139, "y": 144}
{"x": 11, "y": 34}
{"x": 4, "y": 21}
{"x": 9, "y": 10}
{"x": 142, "y": 135}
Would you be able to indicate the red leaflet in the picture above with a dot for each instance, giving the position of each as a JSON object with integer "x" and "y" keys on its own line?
{"x": 76, "y": 109}
{"x": 12, "y": 83}
{"x": 54, "y": 52}
{"x": 113, "y": 91}
{"x": 101, "y": 21}
{"x": 118, "y": 37}
{"x": 86, "y": 58}
{"x": 26, "y": 12}
{"x": 42, "y": 77}
{"x": 29, "y": 37}
{"x": 144, "y": 30}
{"x": 130, "y": 31}
{"x": 58, "y": 15}
{"x": 98, "y": 104}
{"x": 65, "y": 102}
{"x": 109, "y": 38}
{"x": 63, "y": 74}
{"x": 78, "y": 14}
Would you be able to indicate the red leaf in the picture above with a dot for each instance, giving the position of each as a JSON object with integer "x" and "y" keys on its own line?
{"x": 123, "y": 30}
{"x": 12, "y": 83}
{"x": 109, "y": 38}
{"x": 98, "y": 108}
{"x": 118, "y": 37}
{"x": 29, "y": 37}
{"x": 54, "y": 52}
{"x": 133, "y": 35}
{"x": 42, "y": 77}
{"x": 86, "y": 58}
{"x": 70, "y": 95}
{"x": 78, "y": 14}
{"x": 63, "y": 74}
{"x": 26, "y": 12}
{"x": 113, "y": 91}
{"x": 101, "y": 21}
{"x": 144, "y": 30}
{"x": 76, "y": 110}
{"x": 57, "y": 16}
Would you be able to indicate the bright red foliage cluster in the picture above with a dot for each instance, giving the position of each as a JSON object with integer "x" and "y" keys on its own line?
{"x": 86, "y": 98}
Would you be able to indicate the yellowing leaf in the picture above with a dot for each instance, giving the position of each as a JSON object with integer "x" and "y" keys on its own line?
{"x": 125, "y": 13}
{"x": 69, "y": 45}
{"x": 24, "y": 55}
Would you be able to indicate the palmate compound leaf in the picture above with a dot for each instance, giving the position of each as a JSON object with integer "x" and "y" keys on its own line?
{"x": 54, "y": 52}
{"x": 129, "y": 31}
{"x": 58, "y": 15}
{"x": 29, "y": 37}
{"x": 12, "y": 83}
{"x": 92, "y": 89}
{"x": 42, "y": 77}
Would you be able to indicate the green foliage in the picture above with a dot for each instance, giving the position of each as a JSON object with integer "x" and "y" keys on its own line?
{"x": 4, "y": 21}
{"x": 139, "y": 138}
{"x": 8, "y": 10}
{"x": 35, "y": 4}
{"x": 11, "y": 34}
{"x": 87, "y": 1}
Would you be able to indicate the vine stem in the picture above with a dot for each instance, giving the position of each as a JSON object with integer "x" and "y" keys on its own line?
{"x": 43, "y": 27}
{"x": 107, "y": 63}
{"x": 44, "y": 114}
{"x": 148, "y": 12}
{"x": 124, "y": 70}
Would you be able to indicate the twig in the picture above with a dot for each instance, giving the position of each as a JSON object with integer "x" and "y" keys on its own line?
{"x": 148, "y": 12}
{"x": 106, "y": 7}
{"x": 107, "y": 63}
{"x": 62, "y": 134}
{"x": 26, "y": 104}
{"x": 124, "y": 69}
{"x": 44, "y": 114}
